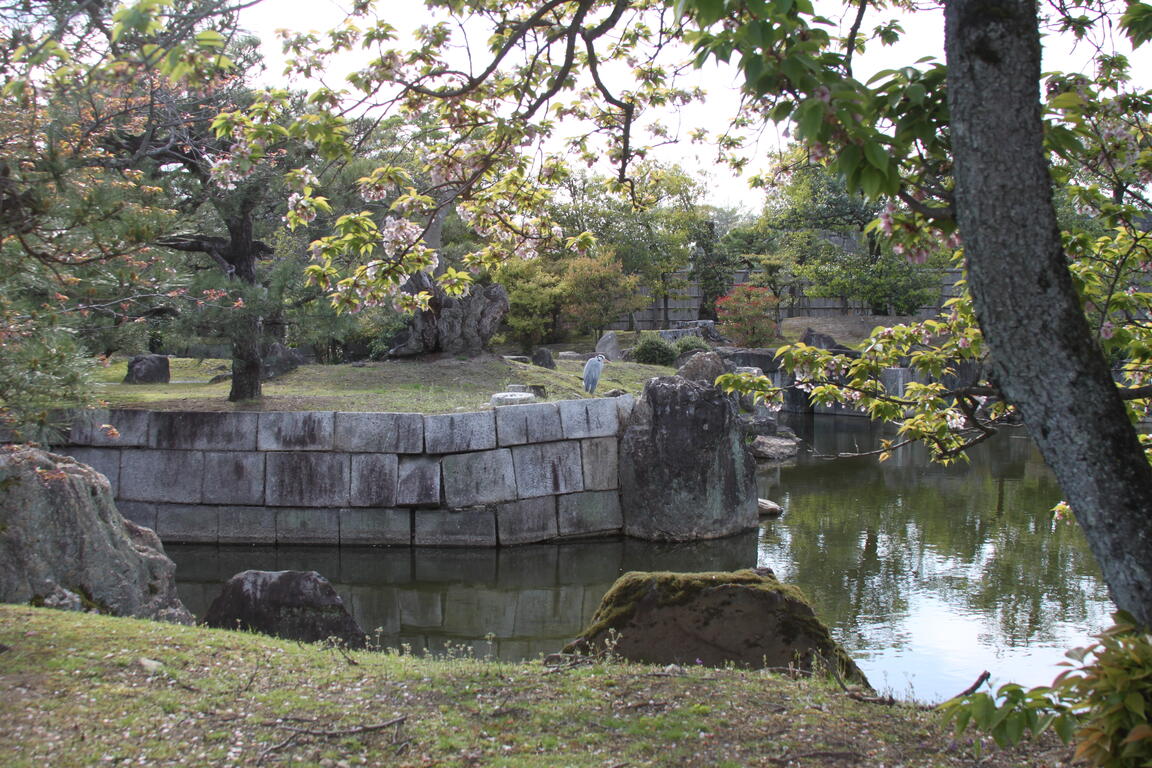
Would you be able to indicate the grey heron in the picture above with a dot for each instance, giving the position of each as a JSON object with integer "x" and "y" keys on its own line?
{"x": 592, "y": 370}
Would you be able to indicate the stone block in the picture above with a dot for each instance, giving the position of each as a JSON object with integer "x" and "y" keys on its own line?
{"x": 533, "y": 423}
{"x": 306, "y": 480}
{"x": 601, "y": 463}
{"x": 596, "y": 417}
{"x": 547, "y": 468}
{"x": 204, "y": 431}
{"x": 379, "y": 432}
{"x": 552, "y": 612}
{"x": 233, "y": 477}
{"x": 418, "y": 482}
{"x": 132, "y": 427}
{"x": 106, "y": 461}
{"x": 459, "y": 432}
{"x": 247, "y": 525}
{"x": 483, "y": 477}
{"x": 140, "y": 512}
{"x": 373, "y": 480}
{"x": 526, "y": 521}
{"x": 152, "y": 475}
{"x": 421, "y": 608}
{"x": 624, "y": 406}
{"x": 467, "y": 527}
{"x": 308, "y": 526}
{"x": 471, "y": 611}
{"x": 447, "y": 566}
{"x": 296, "y": 431}
{"x": 527, "y": 567}
{"x": 187, "y": 523}
{"x": 375, "y": 526}
{"x": 592, "y": 512}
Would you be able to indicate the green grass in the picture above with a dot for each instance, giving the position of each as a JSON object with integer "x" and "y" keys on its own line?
{"x": 407, "y": 386}
{"x": 77, "y": 694}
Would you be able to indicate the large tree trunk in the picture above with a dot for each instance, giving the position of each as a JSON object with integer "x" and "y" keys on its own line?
{"x": 1042, "y": 353}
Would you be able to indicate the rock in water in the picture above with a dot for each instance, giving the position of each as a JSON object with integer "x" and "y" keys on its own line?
{"x": 148, "y": 369}
{"x": 296, "y": 605}
{"x": 775, "y": 448}
{"x": 684, "y": 471}
{"x": 61, "y": 533}
{"x": 741, "y": 618}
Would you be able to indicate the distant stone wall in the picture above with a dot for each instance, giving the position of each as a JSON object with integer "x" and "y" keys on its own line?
{"x": 512, "y": 475}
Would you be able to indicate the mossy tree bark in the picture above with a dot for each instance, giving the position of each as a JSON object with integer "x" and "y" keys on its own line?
{"x": 1043, "y": 355}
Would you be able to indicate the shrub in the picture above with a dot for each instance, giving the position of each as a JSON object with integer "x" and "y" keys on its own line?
{"x": 1107, "y": 701}
{"x": 690, "y": 343}
{"x": 653, "y": 350}
{"x": 747, "y": 315}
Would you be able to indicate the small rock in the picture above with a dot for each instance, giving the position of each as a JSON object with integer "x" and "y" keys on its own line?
{"x": 511, "y": 398}
{"x": 518, "y": 359}
{"x": 768, "y": 508}
{"x": 542, "y": 356}
{"x": 151, "y": 666}
{"x": 63, "y": 600}
{"x": 774, "y": 448}
{"x": 569, "y": 355}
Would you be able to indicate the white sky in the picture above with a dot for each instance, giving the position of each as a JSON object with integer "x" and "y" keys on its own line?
{"x": 923, "y": 37}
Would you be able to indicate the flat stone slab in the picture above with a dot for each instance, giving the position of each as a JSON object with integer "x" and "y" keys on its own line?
{"x": 187, "y": 523}
{"x": 307, "y": 526}
{"x": 375, "y": 527}
{"x": 467, "y": 527}
{"x": 511, "y": 398}
{"x": 192, "y": 431}
{"x": 459, "y": 432}
{"x": 296, "y": 431}
{"x": 131, "y": 427}
{"x": 379, "y": 432}
{"x": 531, "y": 423}
{"x": 547, "y": 468}
{"x": 307, "y": 480}
{"x": 526, "y": 521}
{"x": 601, "y": 459}
{"x": 246, "y": 525}
{"x": 152, "y": 475}
{"x": 591, "y": 512}
{"x": 233, "y": 477}
{"x": 595, "y": 417}
{"x": 483, "y": 477}
{"x": 418, "y": 482}
{"x": 373, "y": 480}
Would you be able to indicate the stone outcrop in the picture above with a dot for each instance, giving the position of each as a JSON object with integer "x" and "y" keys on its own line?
{"x": 296, "y": 605}
{"x": 703, "y": 367}
{"x": 742, "y": 618}
{"x": 60, "y": 533}
{"x": 684, "y": 471}
{"x": 458, "y": 325}
{"x": 148, "y": 369}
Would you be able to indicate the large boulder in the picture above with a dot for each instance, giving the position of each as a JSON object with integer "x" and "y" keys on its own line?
{"x": 684, "y": 471}
{"x": 279, "y": 360}
{"x": 148, "y": 369}
{"x": 296, "y": 605}
{"x": 60, "y": 533}
{"x": 609, "y": 346}
{"x": 542, "y": 356}
{"x": 742, "y": 618}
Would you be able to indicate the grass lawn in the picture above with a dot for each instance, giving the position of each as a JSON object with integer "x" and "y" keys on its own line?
{"x": 85, "y": 690}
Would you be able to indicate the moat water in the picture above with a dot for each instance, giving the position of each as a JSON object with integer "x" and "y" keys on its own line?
{"x": 928, "y": 575}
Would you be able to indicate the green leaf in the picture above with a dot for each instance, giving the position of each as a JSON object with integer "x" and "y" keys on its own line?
{"x": 877, "y": 155}
{"x": 708, "y": 12}
{"x": 1137, "y": 22}
{"x": 1066, "y": 100}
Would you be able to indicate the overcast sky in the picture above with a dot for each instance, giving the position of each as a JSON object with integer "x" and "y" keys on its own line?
{"x": 923, "y": 37}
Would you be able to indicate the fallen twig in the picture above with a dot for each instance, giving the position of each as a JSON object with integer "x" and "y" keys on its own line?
{"x": 983, "y": 678}
{"x": 342, "y": 731}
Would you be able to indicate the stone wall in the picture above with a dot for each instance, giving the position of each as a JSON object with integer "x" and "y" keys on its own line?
{"x": 512, "y": 475}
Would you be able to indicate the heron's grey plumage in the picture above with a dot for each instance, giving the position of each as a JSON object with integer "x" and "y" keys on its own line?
{"x": 592, "y": 370}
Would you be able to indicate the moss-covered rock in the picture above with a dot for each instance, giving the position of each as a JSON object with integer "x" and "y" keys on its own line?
{"x": 742, "y": 618}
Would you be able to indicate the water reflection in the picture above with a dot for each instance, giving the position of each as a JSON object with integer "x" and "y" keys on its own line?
{"x": 930, "y": 574}
{"x": 514, "y": 603}
{"x": 927, "y": 574}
